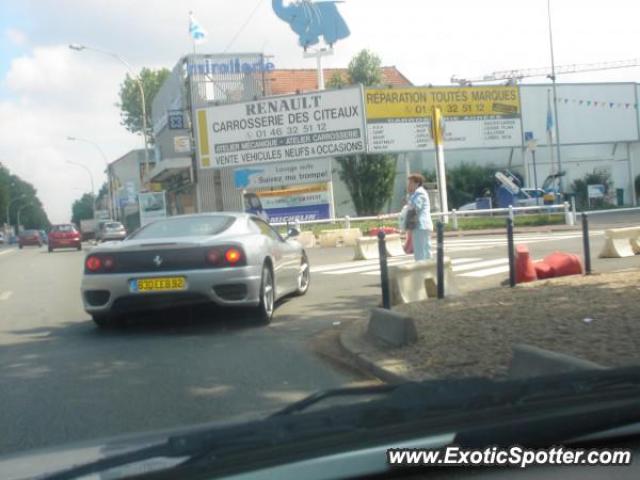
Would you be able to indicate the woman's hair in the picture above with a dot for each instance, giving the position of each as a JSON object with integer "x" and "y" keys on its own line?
{"x": 417, "y": 178}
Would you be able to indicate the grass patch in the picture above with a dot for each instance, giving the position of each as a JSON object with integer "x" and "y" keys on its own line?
{"x": 477, "y": 223}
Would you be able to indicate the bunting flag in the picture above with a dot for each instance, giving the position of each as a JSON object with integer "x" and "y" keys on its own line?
{"x": 597, "y": 103}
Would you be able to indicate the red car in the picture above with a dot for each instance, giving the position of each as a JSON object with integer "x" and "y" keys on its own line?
{"x": 30, "y": 237}
{"x": 64, "y": 236}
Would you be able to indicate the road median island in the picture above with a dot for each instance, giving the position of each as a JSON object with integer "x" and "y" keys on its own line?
{"x": 577, "y": 320}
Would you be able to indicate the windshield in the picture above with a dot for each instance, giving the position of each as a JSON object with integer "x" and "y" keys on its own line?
{"x": 210, "y": 210}
{"x": 184, "y": 227}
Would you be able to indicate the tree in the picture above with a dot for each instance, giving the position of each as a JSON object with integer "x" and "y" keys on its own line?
{"x": 21, "y": 193}
{"x": 369, "y": 178}
{"x": 82, "y": 209}
{"x": 365, "y": 68}
{"x": 336, "y": 81}
{"x": 580, "y": 187}
{"x": 130, "y": 104}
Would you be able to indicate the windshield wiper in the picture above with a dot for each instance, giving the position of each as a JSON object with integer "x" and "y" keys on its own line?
{"x": 436, "y": 402}
{"x": 332, "y": 393}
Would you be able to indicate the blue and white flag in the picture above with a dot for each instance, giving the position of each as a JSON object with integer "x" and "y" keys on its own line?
{"x": 549, "y": 115}
{"x": 198, "y": 34}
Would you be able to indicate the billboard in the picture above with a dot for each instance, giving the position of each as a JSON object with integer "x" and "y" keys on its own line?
{"x": 301, "y": 203}
{"x": 153, "y": 206}
{"x": 274, "y": 175}
{"x": 398, "y": 120}
{"x": 282, "y": 128}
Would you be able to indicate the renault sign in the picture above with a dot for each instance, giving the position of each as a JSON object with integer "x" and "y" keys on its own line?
{"x": 282, "y": 128}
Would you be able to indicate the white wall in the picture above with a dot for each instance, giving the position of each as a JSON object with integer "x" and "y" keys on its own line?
{"x": 582, "y": 123}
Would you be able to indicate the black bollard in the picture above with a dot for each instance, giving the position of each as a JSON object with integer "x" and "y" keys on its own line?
{"x": 440, "y": 259}
{"x": 384, "y": 270}
{"x": 512, "y": 259}
{"x": 586, "y": 243}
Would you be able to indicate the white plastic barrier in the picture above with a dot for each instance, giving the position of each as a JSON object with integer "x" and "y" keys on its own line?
{"x": 307, "y": 239}
{"x": 366, "y": 248}
{"x": 413, "y": 282}
{"x": 394, "y": 245}
{"x": 339, "y": 237}
{"x": 621, "y": 242}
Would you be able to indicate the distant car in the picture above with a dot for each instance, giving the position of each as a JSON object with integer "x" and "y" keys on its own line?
{"x": 44, "y": 236}
{"x": 228, "y": 259}
{"x": 65, "y": 235}
{"x": 29, "y": 237}
{"x": 110, "y": 231}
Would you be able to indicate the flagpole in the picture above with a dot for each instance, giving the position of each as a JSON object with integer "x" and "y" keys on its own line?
{"x": 550, "y": 134}
{"x": 555, "y": 95}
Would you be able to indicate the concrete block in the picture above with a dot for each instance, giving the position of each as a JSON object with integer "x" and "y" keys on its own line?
{"x": 339, "y": 237}
{"x": 307, "y": 239}
{"x": 366, "y": 248}
{"x": 413, "y": 282}
{"x": 392, "y": 328}
{"x": 619, "y": 242}
{"x": 394, "y": 245}
{"x": 530, "y": 361}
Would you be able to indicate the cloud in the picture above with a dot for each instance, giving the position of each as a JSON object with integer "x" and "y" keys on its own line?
{"x": 56, "y": 93}
{"x": 15, "y": 36}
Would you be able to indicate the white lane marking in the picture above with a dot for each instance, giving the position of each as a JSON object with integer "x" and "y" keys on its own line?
{"x": 2, "y": 252}
{"x": 5, "y": 295}
{"x": 476, "y": 265}
{"x": 486, "y": 272}
{"x": 455, "y": 261}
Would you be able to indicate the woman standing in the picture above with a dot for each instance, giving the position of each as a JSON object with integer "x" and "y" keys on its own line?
{"x": 422, "y": 226}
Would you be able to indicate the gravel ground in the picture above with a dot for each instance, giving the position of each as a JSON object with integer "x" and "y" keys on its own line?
{"x": 594, "y": 317}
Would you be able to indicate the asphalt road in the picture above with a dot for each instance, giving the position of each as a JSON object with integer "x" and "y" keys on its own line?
{"x": 62, "y": 380}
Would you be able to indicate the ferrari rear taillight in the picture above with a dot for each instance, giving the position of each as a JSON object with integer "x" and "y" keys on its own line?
{"x": 226, "y": 256}
{"x": 93, "y": 263}
{"x": 233, "y": 256}
{"x": 100, "y": 263}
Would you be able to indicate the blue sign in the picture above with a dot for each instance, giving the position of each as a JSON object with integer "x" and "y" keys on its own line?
{"x": 242, "y": 176}
{"x": 528, "y": 136}
{"x": 176, "y": 120}
{"x": 233, "y": 65}
{"x": 291, "y": 214}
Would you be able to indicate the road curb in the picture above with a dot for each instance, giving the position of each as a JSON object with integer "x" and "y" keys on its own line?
{"x": 354, "y": 344}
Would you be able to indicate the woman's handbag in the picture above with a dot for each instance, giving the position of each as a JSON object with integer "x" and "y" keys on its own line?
{"x": 411, "y": 219}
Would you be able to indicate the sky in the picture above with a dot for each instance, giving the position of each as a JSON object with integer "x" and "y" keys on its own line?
{"x": 49, "y": 92}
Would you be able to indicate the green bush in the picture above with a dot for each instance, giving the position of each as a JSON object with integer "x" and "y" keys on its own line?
{"x": 580, "y": 188}
{"x": 637, "y": 184}
{"x": 467, "y": 182}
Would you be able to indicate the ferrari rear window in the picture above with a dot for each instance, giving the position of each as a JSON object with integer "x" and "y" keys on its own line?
{"x": 185, "y": 227}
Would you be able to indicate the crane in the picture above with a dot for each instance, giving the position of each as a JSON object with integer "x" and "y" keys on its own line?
{"x": 515, "y": 75}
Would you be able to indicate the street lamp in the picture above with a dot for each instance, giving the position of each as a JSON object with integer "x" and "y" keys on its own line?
{"x": 78, "y": 48}
{"x": 20, "y": 210}
{"x": 106, "y": 161}
{"x": 93, "y": 190}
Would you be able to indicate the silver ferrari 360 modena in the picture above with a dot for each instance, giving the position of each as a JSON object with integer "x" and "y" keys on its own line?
{"x": 228, "y": 259}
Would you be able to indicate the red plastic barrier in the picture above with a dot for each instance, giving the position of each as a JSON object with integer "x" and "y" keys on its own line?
{"x": 525, "y": 271}
{"x": 387, "y": 230}
{"x": 564, "y": 264}
{"x": 543, "y": 270}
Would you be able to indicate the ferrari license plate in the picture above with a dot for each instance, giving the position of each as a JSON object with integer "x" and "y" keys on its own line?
{"x": 160, "y": 284}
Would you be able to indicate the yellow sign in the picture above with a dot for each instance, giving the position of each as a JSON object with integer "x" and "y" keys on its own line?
{"x": 404, "y": 103}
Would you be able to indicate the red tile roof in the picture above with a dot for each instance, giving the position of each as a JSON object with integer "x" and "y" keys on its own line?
{"x": 280, "y": 82}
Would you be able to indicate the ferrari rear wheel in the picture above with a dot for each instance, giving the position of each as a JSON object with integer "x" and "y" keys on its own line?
{"x": 267, "y": 296}
{"x": 304, "y": 276}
